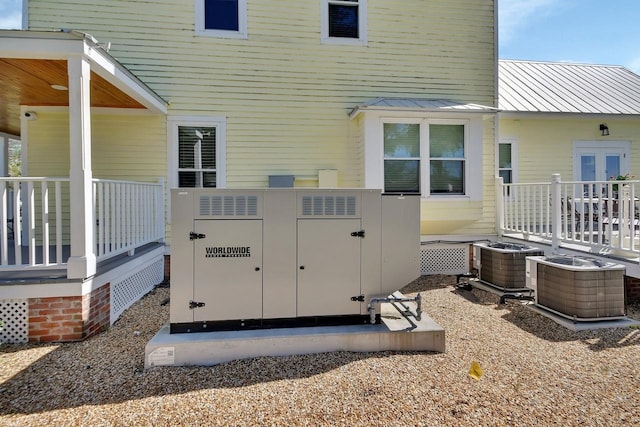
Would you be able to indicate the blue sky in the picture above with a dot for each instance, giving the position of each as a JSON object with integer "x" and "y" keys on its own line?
{"x": 592, "y": 31}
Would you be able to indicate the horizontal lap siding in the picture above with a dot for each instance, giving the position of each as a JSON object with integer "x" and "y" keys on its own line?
{"x": 124, "y": 146}
{"x": 286, "y": 95}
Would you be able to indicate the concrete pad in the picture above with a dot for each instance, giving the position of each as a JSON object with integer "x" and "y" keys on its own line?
{"x": 584, "y": 325}
{"x": 210, "y": 348}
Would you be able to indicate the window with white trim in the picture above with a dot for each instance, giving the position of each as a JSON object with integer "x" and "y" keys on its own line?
{"x": 447, "y": 159}
{"x": 198, "y": 158}
{"x": 428, "y": 157}
{"x": 506, "y": 164}
{"x": 221, "y": 18}
{"x": 344, "y": 21}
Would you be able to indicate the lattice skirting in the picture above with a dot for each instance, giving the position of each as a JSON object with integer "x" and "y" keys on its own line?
{"x": 129, "y": 290}
{"x": 14, "y": 314}
{"x": 444, "y": 258}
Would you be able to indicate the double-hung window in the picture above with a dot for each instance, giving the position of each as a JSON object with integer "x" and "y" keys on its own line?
{"x": 198, "y": 158}
{"x": 402, "y": 157}
{"x": 427, "y": 157}
{"x": 344, "y": 21}
{"x": 221, "y": 18}
{"x": 447, "y": 159}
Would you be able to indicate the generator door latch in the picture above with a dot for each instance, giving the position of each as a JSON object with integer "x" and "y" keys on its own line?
{"x": 194, "y": 236}
{"x": 358, "y": 298}
{"x": 195, "y": 304}
{"x": 358, "y": 233}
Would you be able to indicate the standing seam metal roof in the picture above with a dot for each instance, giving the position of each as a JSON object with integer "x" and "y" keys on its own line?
{"x": 557, "y": 87}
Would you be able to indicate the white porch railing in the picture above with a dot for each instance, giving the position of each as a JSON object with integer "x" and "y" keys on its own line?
{"x": 601, "y": 216}
{"x": 35, "y": 221}
{"x": 128, "y": 215}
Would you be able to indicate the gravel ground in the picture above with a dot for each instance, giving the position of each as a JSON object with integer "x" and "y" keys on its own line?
{"x": 535, "y": 373}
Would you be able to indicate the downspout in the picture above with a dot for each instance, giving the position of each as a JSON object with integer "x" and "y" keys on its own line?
{"x": 25, "y": 14}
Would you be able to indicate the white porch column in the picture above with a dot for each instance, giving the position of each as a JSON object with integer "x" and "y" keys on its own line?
{"x": 82, "y": 263}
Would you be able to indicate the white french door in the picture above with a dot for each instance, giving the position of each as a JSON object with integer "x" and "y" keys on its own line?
{"x": 599, "y": 161}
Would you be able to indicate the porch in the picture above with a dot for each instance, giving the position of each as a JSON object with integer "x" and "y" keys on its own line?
{"x": 601, "y": 218}
{"x": 76, "y": 251}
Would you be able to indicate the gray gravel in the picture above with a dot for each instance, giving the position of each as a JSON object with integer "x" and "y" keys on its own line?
{"x": 535, "y": 373}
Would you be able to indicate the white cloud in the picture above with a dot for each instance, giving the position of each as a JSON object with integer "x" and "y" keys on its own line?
{"x": 516, "y": 15}
{"x": 12, "y": 21}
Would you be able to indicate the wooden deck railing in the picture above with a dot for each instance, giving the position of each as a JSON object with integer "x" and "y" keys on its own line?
{"x": 601, "y": 216}
{"x": 35, "y": 222}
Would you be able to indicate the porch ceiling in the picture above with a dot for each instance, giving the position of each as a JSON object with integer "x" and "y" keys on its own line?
{"x": 28, "y": 82}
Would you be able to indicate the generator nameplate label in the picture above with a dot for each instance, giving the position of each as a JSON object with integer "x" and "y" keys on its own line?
{"x": 162, "y": 356}
{"x": 228, "y": 252}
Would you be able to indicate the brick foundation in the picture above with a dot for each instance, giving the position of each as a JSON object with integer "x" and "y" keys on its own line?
{"x": 69, "y": 318}
{"x": 632, "y": 288}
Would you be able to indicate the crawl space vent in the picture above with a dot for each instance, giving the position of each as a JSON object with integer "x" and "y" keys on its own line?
{"x": 444, "y": 259}
{"x": 126, "y": 292}
{"x": 14, "y": 314}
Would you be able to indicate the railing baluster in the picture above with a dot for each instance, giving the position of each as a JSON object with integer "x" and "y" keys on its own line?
{"x": 45, "y": 222}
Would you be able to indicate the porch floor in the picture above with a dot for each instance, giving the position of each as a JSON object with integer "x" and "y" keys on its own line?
{"x": 27, "y": 274}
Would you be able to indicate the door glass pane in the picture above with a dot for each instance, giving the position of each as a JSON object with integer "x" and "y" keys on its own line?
{"x": 401, "y": 140}
{"x": 588, "y": 167}
{"x": 612, "y": 166}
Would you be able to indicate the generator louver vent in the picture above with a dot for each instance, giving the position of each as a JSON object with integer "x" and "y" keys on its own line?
{"x": 329, "y": 206}
{"x": 229, "y": 206}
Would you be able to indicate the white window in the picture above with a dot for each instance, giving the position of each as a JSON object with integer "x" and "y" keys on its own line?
{"x": 198, "y": 153}
{"x": 221, "y": 18}
{"x": 344, "y": 21}
{"x": 507, "y": 160}
{"x": 430, "y": 153}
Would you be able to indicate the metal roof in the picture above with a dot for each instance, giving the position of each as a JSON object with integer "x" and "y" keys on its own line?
{"x": 556, "y": 87}
{"x": 412, "y": 104}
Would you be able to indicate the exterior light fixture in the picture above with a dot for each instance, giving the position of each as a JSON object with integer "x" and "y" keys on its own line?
{"x": 604, "y": 129}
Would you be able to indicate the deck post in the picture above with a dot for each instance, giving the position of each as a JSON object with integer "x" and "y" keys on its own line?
{"x": 82, "y": 262}
{"x": 500, "y": 206}
{"x": 556, "y": 214}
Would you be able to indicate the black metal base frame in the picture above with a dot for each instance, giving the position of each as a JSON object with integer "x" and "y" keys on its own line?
{"x": 253, "y": 324}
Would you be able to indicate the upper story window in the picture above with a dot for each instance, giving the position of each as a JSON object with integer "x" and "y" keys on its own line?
{"x": 221, "y": 18}
{"x": 344, "y": 21}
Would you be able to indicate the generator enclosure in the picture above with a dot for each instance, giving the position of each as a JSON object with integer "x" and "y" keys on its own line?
{"x": 264, "y": 258}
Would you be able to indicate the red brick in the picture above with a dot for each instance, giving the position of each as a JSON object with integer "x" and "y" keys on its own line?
{"x": 49, "y": 338}
{"x": 71, "y": 337}
{"x": 38, "y": 305}
{"x": 37, "y": 319}
{"x": 38, "y": 332}
{"x": 49, "y": 312}
{"x": 71, "y": 310}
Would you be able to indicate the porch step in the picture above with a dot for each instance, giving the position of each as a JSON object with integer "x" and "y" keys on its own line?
{"x": 210, "y": 348}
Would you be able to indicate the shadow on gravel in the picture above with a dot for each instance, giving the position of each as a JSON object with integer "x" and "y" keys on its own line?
{"x": 548, "y": 330}
{"x": 108, "y": 369}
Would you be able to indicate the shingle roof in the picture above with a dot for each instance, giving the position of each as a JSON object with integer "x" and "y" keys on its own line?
{"x": 556, "y": 87}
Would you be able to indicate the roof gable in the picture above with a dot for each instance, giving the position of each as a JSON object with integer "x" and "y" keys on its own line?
{"x": 556, "y": 87}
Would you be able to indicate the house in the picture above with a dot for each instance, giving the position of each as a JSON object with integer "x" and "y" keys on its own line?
{"x": 581, "y": 122}
{"x": 116, "y": 102}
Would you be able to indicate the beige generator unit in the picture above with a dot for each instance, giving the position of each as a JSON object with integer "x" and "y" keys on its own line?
{"x": 266, "y": 258}
{"x": 502, "y": 265}
{"x": 577, "y": 287}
